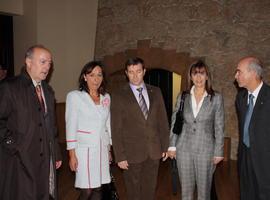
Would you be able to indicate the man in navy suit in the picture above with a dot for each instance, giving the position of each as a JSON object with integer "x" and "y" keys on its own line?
{"x": 253, "y": 109}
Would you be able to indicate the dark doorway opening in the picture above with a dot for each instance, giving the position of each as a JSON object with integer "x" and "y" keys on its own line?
{"x": 6, "y": 44}
{"x": 162, "y": 79}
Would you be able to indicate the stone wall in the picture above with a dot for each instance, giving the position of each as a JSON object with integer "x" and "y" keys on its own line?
{"x": 220, "y": 31}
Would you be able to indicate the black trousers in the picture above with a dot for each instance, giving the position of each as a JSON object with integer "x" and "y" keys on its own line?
{"x": 248, "y": 182}
{"x": 213, "y": 189}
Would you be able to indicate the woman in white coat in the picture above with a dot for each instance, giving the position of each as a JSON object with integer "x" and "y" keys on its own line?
{"x": 88, "y": 131}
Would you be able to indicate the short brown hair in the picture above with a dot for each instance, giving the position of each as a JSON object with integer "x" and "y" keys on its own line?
{"x": 134, "y": 61}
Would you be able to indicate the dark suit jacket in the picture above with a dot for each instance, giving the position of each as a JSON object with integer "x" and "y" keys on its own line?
{"x": 259, "y": 130}
{"x": 134, "y": 138}
{"x": 24, "y": 132}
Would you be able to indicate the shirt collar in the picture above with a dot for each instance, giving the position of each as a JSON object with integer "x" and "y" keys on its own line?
{"x": 36, "y": 83}
{"x": 192, "y": 92}
{"x": 256, "y": 91}
{"x": 134, "y": 87}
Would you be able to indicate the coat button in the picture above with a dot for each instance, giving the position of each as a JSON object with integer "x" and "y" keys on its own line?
{"x": 41, "y": 154}
{"x": 40, "y": 139}
{"x": 39, "y": 109}
{"x": 40, "y": 124}
{"x": 195, "y": 121}
{"x": 194, "y": 129}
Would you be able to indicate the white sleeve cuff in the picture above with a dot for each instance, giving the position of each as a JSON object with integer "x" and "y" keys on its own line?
{"x": 71, "y": 145}
{"x": 172, "y": 149}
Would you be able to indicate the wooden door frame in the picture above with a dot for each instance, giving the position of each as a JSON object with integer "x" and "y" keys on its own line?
{"x": 154, "y": 58}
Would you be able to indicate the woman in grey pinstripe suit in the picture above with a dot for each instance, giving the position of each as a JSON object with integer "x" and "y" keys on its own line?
{"x": 199, "y": 147}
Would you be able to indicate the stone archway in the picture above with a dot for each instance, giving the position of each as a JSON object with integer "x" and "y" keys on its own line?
{"x": 154, "y": 58}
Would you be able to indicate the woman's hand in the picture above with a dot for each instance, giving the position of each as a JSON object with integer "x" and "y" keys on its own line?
{"x": 171, "y": 154}
{"x": 73, "y": 161}
{"x": 123, "y": 164}
{"x": 164, "y": 156}
{"x": 217, "y": 160}
{"x": 58, "y": 164}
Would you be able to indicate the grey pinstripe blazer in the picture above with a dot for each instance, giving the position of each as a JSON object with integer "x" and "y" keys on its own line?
{"x": 203, "y": 134}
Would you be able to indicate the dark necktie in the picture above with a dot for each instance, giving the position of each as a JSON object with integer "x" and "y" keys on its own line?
{"x": 142, "y": 103}
{"x": 40, "y": 98}
{"x": 247, "y": 120}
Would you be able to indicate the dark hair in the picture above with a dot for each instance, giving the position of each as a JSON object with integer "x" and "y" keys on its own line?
{"x": 87, "y": 69}
{"x": 134, "y": 61}
{"x": 29, "y": 52}
{"x": 208, "y": 84}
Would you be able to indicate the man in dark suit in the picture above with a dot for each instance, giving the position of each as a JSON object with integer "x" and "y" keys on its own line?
{"x": 140, "y": 132}
{"x": 29, "y": 151}
{"x": 253, "y": 108}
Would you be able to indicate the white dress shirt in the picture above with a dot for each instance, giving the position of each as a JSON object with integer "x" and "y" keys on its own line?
{"x": 144, "y": 93}
{"x": 196, "y": 107}
{"x": 255, "y": 93}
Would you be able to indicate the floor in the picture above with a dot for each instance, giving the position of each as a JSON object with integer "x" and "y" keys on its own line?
{"x": 225, "y": 179}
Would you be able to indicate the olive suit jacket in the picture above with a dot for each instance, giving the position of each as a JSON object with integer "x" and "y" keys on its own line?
{"x": 133, "y": 137}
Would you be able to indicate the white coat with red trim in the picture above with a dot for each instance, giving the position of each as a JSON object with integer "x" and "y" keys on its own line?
{"x": 88, "y": 131}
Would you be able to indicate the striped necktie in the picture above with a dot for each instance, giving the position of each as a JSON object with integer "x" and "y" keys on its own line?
{"x": 40, "y": 98}
{"x": 142, "y": 103}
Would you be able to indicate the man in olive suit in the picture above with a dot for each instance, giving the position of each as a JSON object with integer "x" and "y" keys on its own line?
{"x": 140, "y": 131}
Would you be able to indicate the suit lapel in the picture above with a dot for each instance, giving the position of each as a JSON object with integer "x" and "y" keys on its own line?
{"x": 34, "y": 94}
{"x": 188, "y": 106}
{"x": 243, "y": 105}
{"x": 89, "y": 101}
{"x": 204, "y": 107}
{"x": 47, "y": 99}
{"x": 150, "y": 96}
{"x": 31, "y": 88}
{"x": 131, "y": 97}
{"x": 260, "y": 101}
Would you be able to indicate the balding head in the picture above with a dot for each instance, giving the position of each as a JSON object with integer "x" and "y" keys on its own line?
{"x": 38, "y": 61}
{"x": 249, "y": 73}
{"x": 254, "y": 64}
